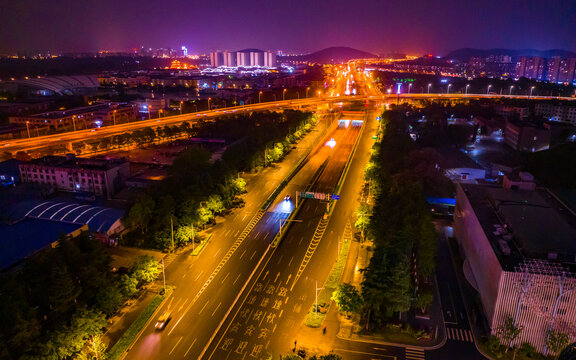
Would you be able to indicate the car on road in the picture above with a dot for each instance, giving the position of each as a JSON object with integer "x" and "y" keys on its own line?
{"x": 287, "y": 197}
{"x": 163, "y": 320}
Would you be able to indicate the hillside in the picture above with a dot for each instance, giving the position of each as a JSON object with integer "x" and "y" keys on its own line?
{"x": 467, "y": 53}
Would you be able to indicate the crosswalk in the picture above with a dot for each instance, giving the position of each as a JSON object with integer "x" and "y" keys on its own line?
{"x": 459, "y": 334}
{"x": 414, "y": 354}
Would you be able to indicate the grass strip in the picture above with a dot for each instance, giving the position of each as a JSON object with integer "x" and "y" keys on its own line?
{"x": 198, "y": 249}
{"x": 128, "y": 337}
{"x": 315, "y": 319}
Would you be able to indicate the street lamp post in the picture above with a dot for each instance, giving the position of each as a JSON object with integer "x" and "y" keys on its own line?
{"x": 259, "y": 97}
{"x": 316, "y": 301}
{"x": 283, "y": 94}
{"x": 467, "y": 86}
{"x": 448, "y": 89}
{"x": 209, "y": 103}
{"x": 307, "y": 91}
{"x": 74, "y": 121}
{"x": 511, "y": 87}
{"x": 114, "y": 116}
{"x": 429, "y": 88}
{"x": 409, "y": 86}
{"x": 28, "y": 128}
{"x": 531, "y": 89}
{"x": 488, "y": 89}
{"x": 181, "y": 102}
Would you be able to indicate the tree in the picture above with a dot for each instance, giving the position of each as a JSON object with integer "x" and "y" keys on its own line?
{"x": 556, "y": 341}
{"x": 508, "y": 332}
{"x": 146, "y": 269}
{"x": 424, "y": 299}
{"x": 95, "y": 349}
{"x": 141, "y": 212}
{"x": 347, "y": 298}
{"x": 128, "y": 285}
{"x": 363, "y": 214}
{"x": 184, "y": 234}
{"x": 215, "y": 204}
{"x": 238, "y": 185}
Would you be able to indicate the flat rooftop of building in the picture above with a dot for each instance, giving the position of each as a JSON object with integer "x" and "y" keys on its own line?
{"x": 75, "y": 162}
{"x": 70, "y": 112}
{"x": 455, "y": 158}
{"x": 22, "y": 239}
{"x": 537, "y": 225}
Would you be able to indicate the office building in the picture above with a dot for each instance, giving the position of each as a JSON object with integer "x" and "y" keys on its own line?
{"x": 517, "y": 242}
{"x": 97, "y": 176}
{"x": 230, "y": 59}
{"x": 269, "y": 59}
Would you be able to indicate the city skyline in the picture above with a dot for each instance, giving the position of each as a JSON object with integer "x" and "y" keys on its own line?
{"x": 203, "y": 27}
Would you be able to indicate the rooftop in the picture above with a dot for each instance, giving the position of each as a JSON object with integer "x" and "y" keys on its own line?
{"x": 74, "y": 162}
{"x": 522, "y": 224}
{"x": 22, "y": 239}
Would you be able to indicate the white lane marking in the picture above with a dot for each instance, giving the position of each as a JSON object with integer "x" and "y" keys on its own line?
{"x": 300, "y": 242}
{"x": 253, "y": 255}
{"x": 217, "y": 307}
{"x": 200, "y": 312}
{"x": 225, "y": 277}
{"x": 234, "y": 283}
{"x": 197, "y": 277}
{"x": 217, "y": 252}
{"x": 281, "y": 256}
{"x": 292, "y": 258}
{"x": 243, "y": 254}
{"x": 183, "y": 304}
{"x": 187, "y": 351}
{"x": 178, "y": 342}
{"x": 244, "y": 217}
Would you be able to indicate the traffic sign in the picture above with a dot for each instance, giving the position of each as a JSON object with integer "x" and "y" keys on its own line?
{"x": 378, "y": 118}
{"x": 335, "y": 197}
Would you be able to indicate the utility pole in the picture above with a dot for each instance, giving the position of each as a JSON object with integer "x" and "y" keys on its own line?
{"x": 172, "y": 231}
{"x": 316, "y": 301}
{"x": 163, "y": 276}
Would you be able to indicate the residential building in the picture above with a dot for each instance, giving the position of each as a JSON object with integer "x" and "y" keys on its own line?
{"x": 216, "y": 58}
{"x": 98, "y": 176}
{"x": 561, "y": 70}
{"x": 556, "y": 112}
{"x": 531, "y": 67}
{"x": 526, "y": 136}
{"x": 517, "y": 242}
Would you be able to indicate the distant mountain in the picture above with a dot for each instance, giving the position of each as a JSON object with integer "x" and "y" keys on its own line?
{"x": 466, "y": 53}
{"x": 333, "y": 55}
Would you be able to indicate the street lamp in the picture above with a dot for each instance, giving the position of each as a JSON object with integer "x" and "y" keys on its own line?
{"x": 531, "y": 89}
{"x": 28, "y": 128}
{"x": 488, "y": 89}
{"x": 448, "y": 89}
{"x": 429, "y": 88}
{"x": 511, "y": 87}
{"x": 409, "y": 86}
{"x": 259, "y": 97}
{"x": 467, "y": 86}
{"x": 209, "y": 103}
{"x": 181, "y": 102}
{"x": 308, "y": 88}
{"x": 74, "y": 121}
{"x": 114, "y": 116}
{"x": 284, "y": 95}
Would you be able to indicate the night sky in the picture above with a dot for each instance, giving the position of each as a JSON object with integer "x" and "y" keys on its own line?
{"x": 379, "y": 26}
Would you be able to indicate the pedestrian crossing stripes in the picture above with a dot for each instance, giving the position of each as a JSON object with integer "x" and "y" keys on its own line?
{"x": 459, "y": 334}
{"x": 415, "y": 354}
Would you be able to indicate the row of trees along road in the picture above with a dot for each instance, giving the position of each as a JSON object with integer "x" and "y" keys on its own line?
{"x": 57, "y": 304}
{"x": 399, "y": 224}
{"x": 197, "y": 190}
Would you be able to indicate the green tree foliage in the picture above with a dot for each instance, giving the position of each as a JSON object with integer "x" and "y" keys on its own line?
{"x": 556, "y": 341}
{"x": 141, "y": 213}
{"x": 399, "y": 223}
{"x": 508, "y": 332}
{"x": 347, "y": 298}
{"x": 184, "y": 234}
{"x": 128, "y": 285}
{"x": 424, "y": 299}
{"x": 146, "y": 269}
{"x": 238, "y": 185}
